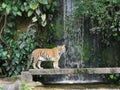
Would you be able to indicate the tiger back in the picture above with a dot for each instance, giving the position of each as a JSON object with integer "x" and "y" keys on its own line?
{"x": 45, "y": 54}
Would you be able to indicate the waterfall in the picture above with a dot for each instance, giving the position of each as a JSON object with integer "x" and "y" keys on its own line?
{"x": 74, "y": 38}
{"x": 73, "y": 34}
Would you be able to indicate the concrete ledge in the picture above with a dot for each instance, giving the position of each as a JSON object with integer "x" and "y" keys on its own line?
{"x": 74, "y": 71}
{"x": 27, "y": 75}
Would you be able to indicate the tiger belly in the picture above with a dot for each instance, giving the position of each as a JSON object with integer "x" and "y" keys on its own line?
{"x": 45, "y": 58}
{"x": 41, "y": 58}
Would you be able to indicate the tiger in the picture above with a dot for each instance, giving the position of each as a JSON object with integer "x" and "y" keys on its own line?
{"x": 46, "y": 54}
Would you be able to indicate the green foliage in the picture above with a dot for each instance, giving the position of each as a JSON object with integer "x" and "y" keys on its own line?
{"x": 104, "y": 17}
{"x": 114, "y": 79}
{"x": 88, "y": 50}
{"x": 32, "y": 8}
{"x": 16, "y": 58}
{"x": 1, "y": 88}
{"x": 16, "y": 48}
{"x": 25, "y": 86}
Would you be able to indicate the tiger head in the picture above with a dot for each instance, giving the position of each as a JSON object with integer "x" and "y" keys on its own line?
{"x": 61, "y": 49}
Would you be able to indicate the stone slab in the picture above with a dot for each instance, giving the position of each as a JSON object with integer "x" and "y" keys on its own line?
{"x": 74, "y": 71}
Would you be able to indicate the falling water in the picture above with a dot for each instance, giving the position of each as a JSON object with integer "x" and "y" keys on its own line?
{"x": 74, "y": 41}
{"x": 74, "y": 36}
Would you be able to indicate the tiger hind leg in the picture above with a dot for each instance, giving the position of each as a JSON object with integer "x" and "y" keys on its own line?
{"x": 55, "y": 65}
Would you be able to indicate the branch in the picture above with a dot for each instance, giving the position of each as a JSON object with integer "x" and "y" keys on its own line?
{"x": 28, "y": 28}
{"x": 1, "y": 18}
{"x": 5, "y": 22}
{"x": 1, "y": 31}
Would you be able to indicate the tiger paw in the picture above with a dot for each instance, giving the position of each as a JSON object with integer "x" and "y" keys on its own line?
{"x": 40, "y": 68}
{"x": 57, "y": 67}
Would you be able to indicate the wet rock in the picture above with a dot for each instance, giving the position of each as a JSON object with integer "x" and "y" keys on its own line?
{"x": 15, "y": 86}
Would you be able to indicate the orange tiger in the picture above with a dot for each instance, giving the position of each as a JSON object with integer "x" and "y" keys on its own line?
{"x": 54, "y": 54}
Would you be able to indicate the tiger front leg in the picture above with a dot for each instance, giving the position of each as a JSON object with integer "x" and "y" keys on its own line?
{"x": 34, "y": 65}
{"x": 55, "y": 65}
{"x": 39, "y": 64}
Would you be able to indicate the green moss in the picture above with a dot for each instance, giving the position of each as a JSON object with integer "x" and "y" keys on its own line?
{"x": 59, "y": 30}
{"x": 81, "y": 71}
{"x": 87, "y": 50}
{"x": 110, "y": 56}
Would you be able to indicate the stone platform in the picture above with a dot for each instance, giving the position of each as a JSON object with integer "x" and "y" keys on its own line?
{"x": 27, "y": 75}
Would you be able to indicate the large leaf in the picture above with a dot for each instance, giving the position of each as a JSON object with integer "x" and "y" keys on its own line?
{"x": 18, "y": 55}
{"x": 43, "y": 1}
{"x": 55, "y": 3}
{"x": 5, "y": 64}
{"x": 4, "y": 5}
{"x": 8, "y": 9}
{"x": 15, "y": 8}
{"x": 48, "y": 6}
{"x": 30, "y": 13}
{"x": 34, "y": 19}
{"x": 43, "y": 17}
{"x": 4, "y": 53}
{"x": 44, "y": 23}
{"x": 34, "y": 6}
{"x": 38, "y": 12}
{"x": 19, "y": 13}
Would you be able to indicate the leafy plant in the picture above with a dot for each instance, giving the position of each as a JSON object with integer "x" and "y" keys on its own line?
{"x": 114, "y": 79}
{"x": 103, "y": 16}
{"x": 33, "y": 8}
{"x": 15, "y": 48}
{"x": 17, "y": 57}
